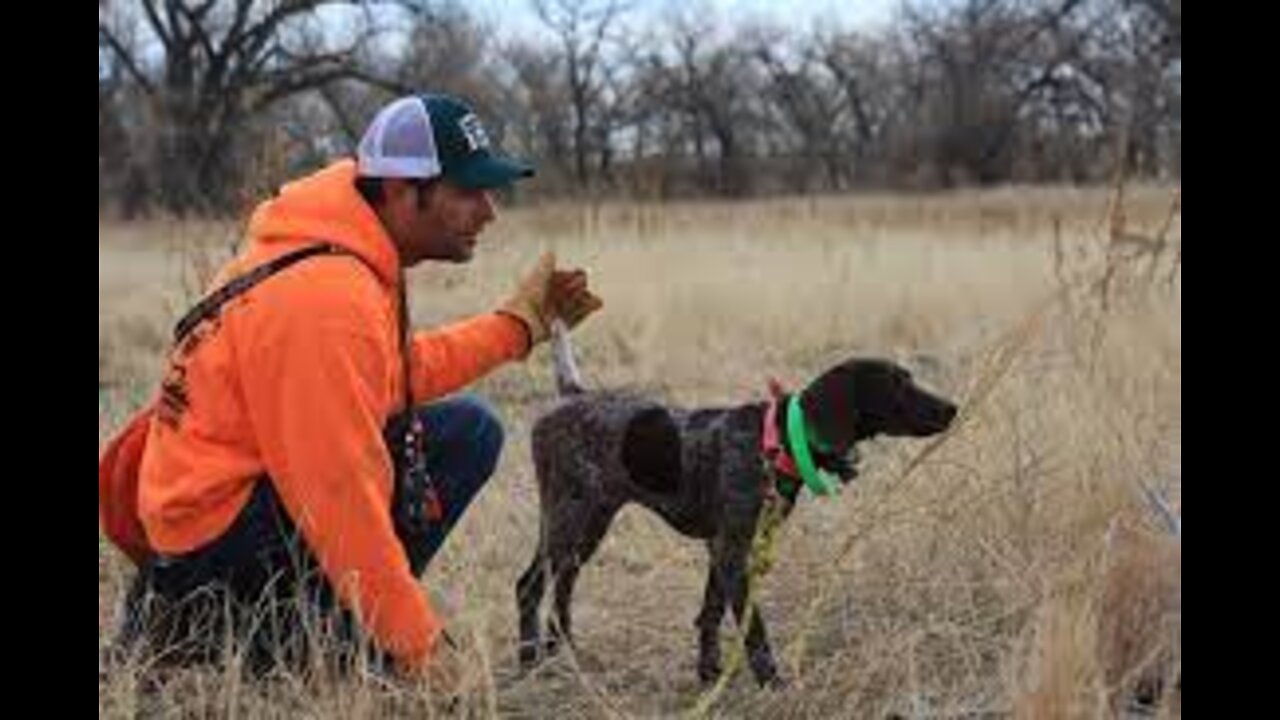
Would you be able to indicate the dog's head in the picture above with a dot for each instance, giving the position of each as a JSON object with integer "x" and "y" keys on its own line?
{"x": 862, "y": 398}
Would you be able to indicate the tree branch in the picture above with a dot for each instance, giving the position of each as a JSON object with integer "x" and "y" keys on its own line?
{"x": 118, "y": 49}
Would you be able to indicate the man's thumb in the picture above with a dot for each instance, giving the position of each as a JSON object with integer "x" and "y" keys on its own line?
{"x": 546, "y": 265}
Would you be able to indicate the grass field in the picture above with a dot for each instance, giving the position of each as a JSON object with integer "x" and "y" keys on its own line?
{"x": 1017, "y": 570}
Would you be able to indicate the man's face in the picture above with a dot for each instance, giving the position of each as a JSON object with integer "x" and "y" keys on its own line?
{"x": 442, "y": 222}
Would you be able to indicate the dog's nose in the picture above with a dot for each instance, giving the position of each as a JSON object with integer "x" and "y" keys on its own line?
{"x": 948, "y": 414}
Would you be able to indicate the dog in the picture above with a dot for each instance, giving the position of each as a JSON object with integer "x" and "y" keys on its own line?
{"x": 705, "y": 471}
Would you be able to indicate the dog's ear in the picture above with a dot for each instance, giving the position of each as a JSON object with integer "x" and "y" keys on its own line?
{"x": 830, "y": 406}
{"x": 651, "y": 451}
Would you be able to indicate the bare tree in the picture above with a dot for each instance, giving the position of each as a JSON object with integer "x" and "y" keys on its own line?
{"x": 810, "y": 108}
{"x": 865, "y": 74}
{"x": 582, "y": 30}
{"x": 543, "y": 117}
{"x": 1137, "y": 63}
{"x": 952, "y": 92}
{"x": 1166, "y": 20}
{"x": 983, "y": 62}
{"x": 216, "y": 65}
{"x": 451, "y": 51}
{"x": 708, "y": 81}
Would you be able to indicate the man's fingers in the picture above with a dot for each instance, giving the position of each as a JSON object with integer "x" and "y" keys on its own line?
{"x": 582, "y": 306}
{"x": 569, "y": 281}
{"x": 570, "y": 295}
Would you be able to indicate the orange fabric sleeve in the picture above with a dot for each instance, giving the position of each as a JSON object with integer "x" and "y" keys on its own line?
{"x": 453, "y": 356}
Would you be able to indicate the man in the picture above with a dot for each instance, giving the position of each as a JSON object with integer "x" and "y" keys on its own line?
{"x": 292, "y": 478}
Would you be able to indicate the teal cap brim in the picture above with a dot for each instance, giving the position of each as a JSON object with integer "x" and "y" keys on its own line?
{"x": 484, "y": 172}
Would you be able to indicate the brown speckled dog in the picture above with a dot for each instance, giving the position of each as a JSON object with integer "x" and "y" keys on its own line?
{"x": 702, "y": 471}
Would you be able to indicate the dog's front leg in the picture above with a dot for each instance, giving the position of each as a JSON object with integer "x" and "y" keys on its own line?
{"x": 732, "y": 570}
{"x": 708, "y": 623}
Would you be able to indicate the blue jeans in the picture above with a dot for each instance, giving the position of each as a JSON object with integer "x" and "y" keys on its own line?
{"x": 254, "y": 574}
{"x": 464, "y": 439}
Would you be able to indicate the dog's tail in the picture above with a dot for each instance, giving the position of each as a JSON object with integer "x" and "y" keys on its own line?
{"x": 568, "y": 379}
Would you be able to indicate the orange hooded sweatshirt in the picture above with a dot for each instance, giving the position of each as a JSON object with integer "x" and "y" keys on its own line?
{"x": 296, "y": 379}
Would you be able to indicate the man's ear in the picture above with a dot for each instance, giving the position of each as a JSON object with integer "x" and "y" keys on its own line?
{"x": 396, "y": 191}
{"x": 424, "y": 191}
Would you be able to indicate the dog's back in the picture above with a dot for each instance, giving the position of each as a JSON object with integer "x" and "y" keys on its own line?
{"x": 605, "y": 448}
{"x": 581, "y": 438}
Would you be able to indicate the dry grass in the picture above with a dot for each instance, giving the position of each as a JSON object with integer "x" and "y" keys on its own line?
{"x": 1016, "y": 570}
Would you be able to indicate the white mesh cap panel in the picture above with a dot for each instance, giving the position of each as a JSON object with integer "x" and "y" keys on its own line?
{"x": 399, "y": 143}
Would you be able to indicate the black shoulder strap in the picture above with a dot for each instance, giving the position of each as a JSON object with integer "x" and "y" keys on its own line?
{"x": 209, "y": 306}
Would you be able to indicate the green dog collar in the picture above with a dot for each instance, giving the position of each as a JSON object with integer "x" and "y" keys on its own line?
{"x": 819, "y": 482}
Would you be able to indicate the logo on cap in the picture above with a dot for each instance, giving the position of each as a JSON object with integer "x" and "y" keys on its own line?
{"x": 477, "y": 138}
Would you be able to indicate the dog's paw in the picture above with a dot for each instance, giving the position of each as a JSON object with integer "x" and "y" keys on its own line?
{"x": 709, "y": 672}
{"x": 536, "y": 650}
{"x": 552, "y": 641}
{"x": 530, "y": 654}
{"x": 775, "y": 682}
{"x": 766, "y": 672}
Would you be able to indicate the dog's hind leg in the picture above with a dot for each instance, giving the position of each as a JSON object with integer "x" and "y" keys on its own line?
{"x": 557, "y": 473}
{"x": 529, "y": 591}
{"x": 569, "y": 554}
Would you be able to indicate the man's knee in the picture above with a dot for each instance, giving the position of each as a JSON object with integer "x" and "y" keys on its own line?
{"x": 468, "y": 422}
{"x": 481, "y": 421}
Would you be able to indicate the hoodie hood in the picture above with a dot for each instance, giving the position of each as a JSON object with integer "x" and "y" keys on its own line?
{"x": 325, "y": 206}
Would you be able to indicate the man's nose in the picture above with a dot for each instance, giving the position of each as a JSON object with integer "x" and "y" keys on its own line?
{"x": 488, "y": 211}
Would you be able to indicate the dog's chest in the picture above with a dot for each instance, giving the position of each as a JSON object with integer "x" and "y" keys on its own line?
{"x": 721, "y": 465}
